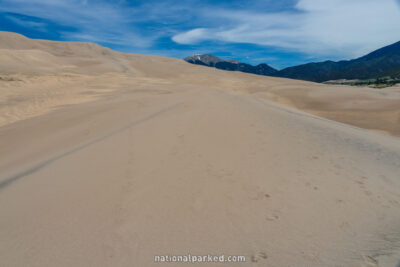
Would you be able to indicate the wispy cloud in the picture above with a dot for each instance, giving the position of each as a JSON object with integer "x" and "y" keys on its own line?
{"x": 96, "y": 21}
{"x": 345, "y": 28}
{"x": 40, "y": 26}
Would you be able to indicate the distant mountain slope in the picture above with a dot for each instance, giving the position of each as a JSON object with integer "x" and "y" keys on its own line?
{"x": 380, "y": 63}
{"x": 232, "y": 65}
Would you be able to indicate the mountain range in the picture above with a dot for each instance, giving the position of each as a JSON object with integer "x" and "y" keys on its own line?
{"x": 380, "y": 63}
{"x": 232, "y": 65}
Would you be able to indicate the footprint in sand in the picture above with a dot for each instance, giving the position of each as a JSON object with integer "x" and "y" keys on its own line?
{"x": 272, "y": 217}
{"x": 369, "y": 262}
{"x": 260, "y": 196}
{"x": 259, "y": 256}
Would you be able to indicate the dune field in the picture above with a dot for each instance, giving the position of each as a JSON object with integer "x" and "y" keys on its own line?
{"x": 110, "y": 159}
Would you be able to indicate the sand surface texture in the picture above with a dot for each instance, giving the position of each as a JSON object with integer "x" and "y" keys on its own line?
{"x": 108, "y": 159}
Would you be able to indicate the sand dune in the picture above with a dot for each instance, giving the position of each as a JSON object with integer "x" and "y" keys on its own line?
{"x": 108, "y": 159}
{"x": 27, "y": 60}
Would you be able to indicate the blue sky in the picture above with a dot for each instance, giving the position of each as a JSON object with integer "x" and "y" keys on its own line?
{"x": 280, "y": 33}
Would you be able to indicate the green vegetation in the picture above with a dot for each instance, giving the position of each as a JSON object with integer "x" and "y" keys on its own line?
{"x": 381, "y": 82}
{"x": 8, "y": 79}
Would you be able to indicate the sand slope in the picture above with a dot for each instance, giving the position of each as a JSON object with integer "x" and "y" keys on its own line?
{"x": 156, "y": 156}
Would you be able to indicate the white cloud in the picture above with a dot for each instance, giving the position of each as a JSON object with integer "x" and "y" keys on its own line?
{"x": 192, "y": 36}
{"x": 340, "y": 28}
